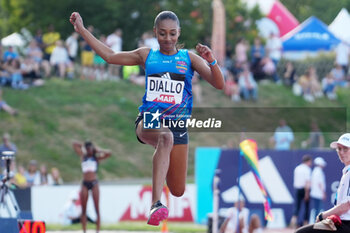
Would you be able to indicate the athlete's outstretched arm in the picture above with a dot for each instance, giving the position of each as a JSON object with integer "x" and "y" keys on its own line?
{"x": 135, "y": 57}
{"x": 211, "y": 73}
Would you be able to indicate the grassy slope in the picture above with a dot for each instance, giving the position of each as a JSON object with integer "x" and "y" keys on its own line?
{"x": 53, "y": 115}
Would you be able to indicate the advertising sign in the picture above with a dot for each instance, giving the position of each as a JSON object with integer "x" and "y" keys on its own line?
{"x": 276, "y": 169}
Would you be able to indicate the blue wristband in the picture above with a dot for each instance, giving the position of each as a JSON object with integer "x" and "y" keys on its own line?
{"x": 213, "y": 63}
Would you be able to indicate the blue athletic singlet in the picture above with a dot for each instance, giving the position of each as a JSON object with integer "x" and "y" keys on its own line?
{"x": 168, "y": 85}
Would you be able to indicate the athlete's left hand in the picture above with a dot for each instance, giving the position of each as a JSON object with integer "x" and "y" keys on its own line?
{"x": 205, "y": 52}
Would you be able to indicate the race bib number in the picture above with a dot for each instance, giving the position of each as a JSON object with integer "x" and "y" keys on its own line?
{"x": 164, "y": 90}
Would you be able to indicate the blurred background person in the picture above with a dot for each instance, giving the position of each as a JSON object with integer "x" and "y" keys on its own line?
{"x": 247, "y": 85}
{"x": 60, "y": 60}
{"x": 301, "y": 184}
{"x": 283, "y": 137}
{"x": 273, "y": 49}
{"x": 43, "y": 177}
{"x": 71, "y": 213}
{"x": 316, "y": 139}
{"x": 32, "y": 174}
{"x": 55, "y": 177}
{"x": 20, "y": 179}
{"x": 318, "y": 185}
{"x": 4, "y": 106}
{"x": 115, "y": 42}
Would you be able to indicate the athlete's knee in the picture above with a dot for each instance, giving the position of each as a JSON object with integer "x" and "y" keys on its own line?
{"x": 166, "y": 139}
{"x": 177, "y": 192}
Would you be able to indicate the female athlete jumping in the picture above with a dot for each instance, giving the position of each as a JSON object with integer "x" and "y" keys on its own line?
{"x": 168, "y": 97}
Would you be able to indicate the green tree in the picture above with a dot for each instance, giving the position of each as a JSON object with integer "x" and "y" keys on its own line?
{"x": 325, "y": 10}
{"x": 133, "y": 16}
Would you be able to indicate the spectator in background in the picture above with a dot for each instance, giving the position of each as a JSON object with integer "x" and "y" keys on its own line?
{"x": 38, "y": 37}
{"x": 231, "y": 87}
{"x": 14, "y": 68}
{"x": 100, "y": 64}
{"x": 5, "y": 78}
{"x": 35, "y": 54}
{"x": 32, "y": 173}
{"x": 43, "y": 178}
{"x": 20, "y": 179}
{"x": 149, "y": 40}
{"x": 283, "y": 136}
{"x": 339, "y": 76}
{"x": 236, "y": 218}
{"x": 342, "y": 56}
{"x": 87, "y": 58}
{"x": 316, "y": 139}
{"x": 60, "y": 60}
{"x": 49, "y": 39}
{"x": 7, "y": 108}
{"x": 318, "y": 185}
{"x": 257, "y": 52}
{"x": 241, "y": 51}
{"x": 10, "y": 54}
{"x": 302, "y": 182}
{"x": 289, "y": 74}
{"x": 30, "y": 72}
{"x": 72, "y": 45}
{"x": 55, "y": 177}
{"x": 115, "y": 42}
{"x": 257, "y": 55}
{"x": 132, "y": 73}
{"x": 328, "y": 86}
{"x": 247, "y": 85}
{"x": 310, "y": 85}
{"x": 274, "y": 48}
{"x": 268, "y": 67}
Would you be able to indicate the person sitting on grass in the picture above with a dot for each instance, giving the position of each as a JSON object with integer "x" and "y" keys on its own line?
{"x": 7, "y": 108}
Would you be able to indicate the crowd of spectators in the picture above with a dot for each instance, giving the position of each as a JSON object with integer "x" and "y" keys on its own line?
{"x": 260, "y": 62}
{"x": 33, "y": 175}
{"x": 245, "y": 67}
{"x": 249, "y": 65}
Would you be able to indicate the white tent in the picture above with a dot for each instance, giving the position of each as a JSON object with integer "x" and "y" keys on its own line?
{"x": 266, "y": 26}
{"x": 15, "y": 39}
{"x": 340, "y": 26}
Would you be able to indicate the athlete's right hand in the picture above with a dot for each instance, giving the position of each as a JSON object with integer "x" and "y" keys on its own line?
{"x": 77, "y": 22}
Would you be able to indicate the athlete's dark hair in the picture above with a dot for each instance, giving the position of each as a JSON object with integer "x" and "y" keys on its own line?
{"x": 166, "y": 15}
{"x": 306, "y": 158}
{"x": 88, "y": 144}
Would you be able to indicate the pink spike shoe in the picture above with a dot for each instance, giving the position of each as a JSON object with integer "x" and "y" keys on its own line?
{"x": 159, "y": 212}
